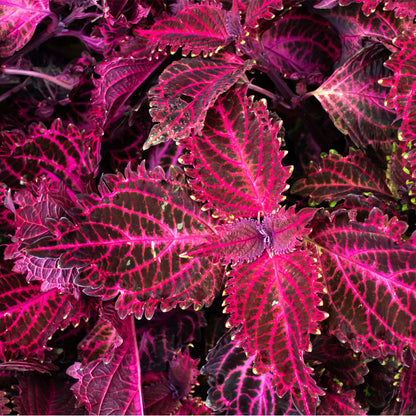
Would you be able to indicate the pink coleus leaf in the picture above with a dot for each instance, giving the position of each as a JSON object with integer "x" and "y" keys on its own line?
{"x": 338, "y": 176}
{"x": 257, "y": 9}
{"x": 4, "y": 403}
{"x": 40, "y": 394}
{"x": 62, "y": 152}
{"x": 114, "y": 387}
{"x": 28, "y": 317}
{"x": 119, "y": 78}
{"x": 198, "y": 28}
{"x": 234, "y": 387}
{"x": 354, "y": 99}
{"x": 131, "y": 240}
{"x": 274, "y": 325}
{"x": 100, "y": 342}
{"x": 237, "y": 161}
{"x": 403, "y": 92}
{"x": 370, "y": 275}
{"x": 302, "y": 45}
{"x": 18, "y": 22}
{"x": 186, "y": 90}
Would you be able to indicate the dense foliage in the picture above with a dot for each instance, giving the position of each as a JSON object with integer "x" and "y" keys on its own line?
{"x": 207, "y": 207}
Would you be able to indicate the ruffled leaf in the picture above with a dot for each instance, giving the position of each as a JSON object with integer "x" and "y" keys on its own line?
{"x": 370, "y": 274}
{"x": 274, "y": 323}
{"x": 61, "y": 152}
{"x": 18, "y": 22}
{"x": 339, "y": 176}
{"x": 237, "y": 161}
{"x": 199, "y": 28}
{"x": 258, "y": 9}
{"x": 354, "y": 99}
{"x": 131, "y": 240}
{"x": 186, "y": 90}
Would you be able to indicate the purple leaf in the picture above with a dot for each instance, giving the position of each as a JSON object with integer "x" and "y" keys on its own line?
{"x": 131, "y": 240}
{"x": 235, "y": 388}
{"x": 61, "y": 152}
{"x": 18, "y": 20}
{"x": 120, "y": 77}
{"x": 186, "y": 90}
{"x": 197, "y": 28}
{"x": 237, "y": 161}
{"x": 241, "y": 241}
{"x": 301, "y": 46}
{"x": 28, "y": 365}
{"x": 354, "y": 99}
{"x": 40, "y": 394}
{"x": 370, "y": 274}
{"x": 112, "y": 388}
{"x": 339, "y": 176}
{"x": 275, "y": 325}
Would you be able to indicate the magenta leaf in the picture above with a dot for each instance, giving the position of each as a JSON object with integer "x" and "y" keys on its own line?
{"x": 235, "y": 388}
{"x": 186, "y": 90}
{"x": 199, "y": 28}
{"x": 131, "y": 240}
{"x": 18, "y": 22}
{"x": 61, "y": 152}
{"x": 119, "y": 78}
{"x": 370, "y": 276}
{"x": 402, "y": 93}
{"x": 275, "y": 325}
{"x": 302, "y": 45}
{"x": 354, "y": 99}
{"x": 338, "y": 176}
{"x": 257, "y": 9}
{"x": 114, "y": 387}
{"x": 40, "y": 394}
{"x": 28, "y": 317}
{"x": 237, "y": 161}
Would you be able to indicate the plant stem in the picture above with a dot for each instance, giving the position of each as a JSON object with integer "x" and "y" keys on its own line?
{"x": 46, "y": 77}
{"x": 261, "y": 90}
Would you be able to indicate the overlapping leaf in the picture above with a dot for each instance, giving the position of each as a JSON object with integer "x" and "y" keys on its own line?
{"x": 403, "y": 92}
{"x": 120, "y": 77}
{"x": 302, "y": 45}
{"x": 235, "y": 388}
{"x": 274, "y": 303}
{"x": 370, "y": 274}
{"x": 131, "y": 240}
{"x": 28, "y": 317}
{"x": 199, "y": 28}
{"x": 114, "y": 387}
{"x": 64, "y": 153}
{"x": 257, "y": 10}
{"x": 18, "y": 22}
{"x": 237, "y": 161}
{"x": 186, "y": 90}
{"x": 338, "y": 176}
{"x": 355, "y": 100}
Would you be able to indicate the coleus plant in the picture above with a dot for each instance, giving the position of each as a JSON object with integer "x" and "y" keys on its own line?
{"x": 161, "y": 158}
